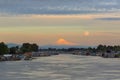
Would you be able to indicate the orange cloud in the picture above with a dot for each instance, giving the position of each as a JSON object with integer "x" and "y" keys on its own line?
{"x": 62, "y": 41}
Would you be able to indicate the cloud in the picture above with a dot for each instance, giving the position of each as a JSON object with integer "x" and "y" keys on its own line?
{"x": 108, "y": 3}
{"x": 25, "y": 7}
{"x": 62, "y": 41}
{"x": 109, "y": 19}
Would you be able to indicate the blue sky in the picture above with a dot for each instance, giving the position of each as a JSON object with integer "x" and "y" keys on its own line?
{"x": 60, "y": 22}
{"x": 24, "y": 7}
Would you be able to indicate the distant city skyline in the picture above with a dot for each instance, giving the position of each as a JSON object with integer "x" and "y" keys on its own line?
{"x": 60, "y": 22}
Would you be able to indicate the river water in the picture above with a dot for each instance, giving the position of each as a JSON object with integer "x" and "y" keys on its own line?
{"x": 62, "y": 67}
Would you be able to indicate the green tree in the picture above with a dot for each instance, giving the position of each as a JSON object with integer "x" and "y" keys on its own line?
{"x": 34, "y": 47}
{"x": 102, "y": 48}
{"x": 26, "y": 47}
{"x": 3, "y": 48}
{"x": 14, "y": 50}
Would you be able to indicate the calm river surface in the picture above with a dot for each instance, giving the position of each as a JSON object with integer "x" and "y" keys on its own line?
{"x": 62, "y": 67}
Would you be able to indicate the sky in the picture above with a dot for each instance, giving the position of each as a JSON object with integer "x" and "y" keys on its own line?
{"x": 60, "y": 22}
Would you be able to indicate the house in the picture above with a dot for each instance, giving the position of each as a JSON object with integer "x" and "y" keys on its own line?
{"x": 27, "y": 55}
{"x": 7, "y": 57}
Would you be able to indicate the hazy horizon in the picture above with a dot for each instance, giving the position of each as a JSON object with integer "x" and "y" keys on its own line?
{"x": 60, "y": 22}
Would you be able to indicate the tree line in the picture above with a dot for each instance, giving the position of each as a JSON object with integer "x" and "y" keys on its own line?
{"x": 104, "y": 48}
{"x": 26, "y": 47}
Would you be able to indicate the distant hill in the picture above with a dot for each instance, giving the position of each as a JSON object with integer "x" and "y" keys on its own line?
{"x": 12, "y": 44}
{"x": 52, "y": 46}
{"x": 63, "y": 46}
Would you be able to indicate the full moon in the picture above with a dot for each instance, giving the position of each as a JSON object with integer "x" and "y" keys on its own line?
{"x": 86, "y": 33}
